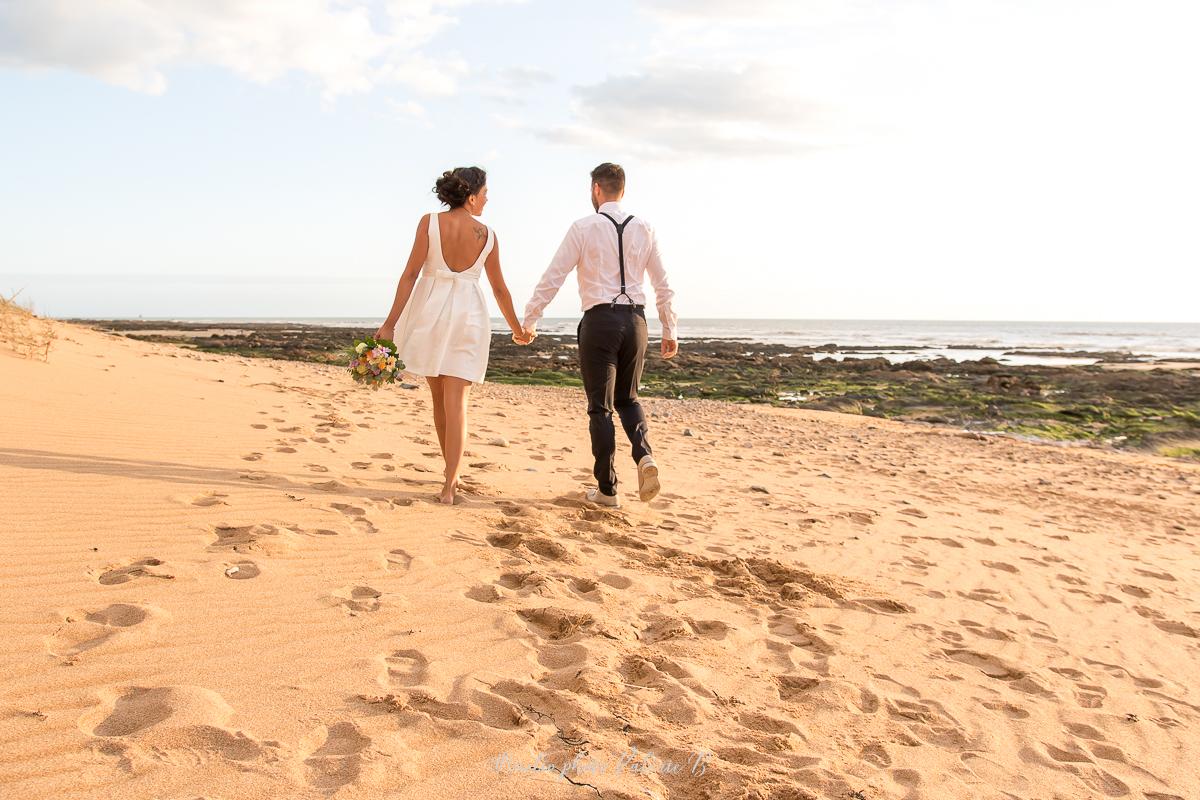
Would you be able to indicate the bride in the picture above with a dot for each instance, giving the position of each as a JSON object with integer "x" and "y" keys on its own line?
{"x": 440, "y": 322}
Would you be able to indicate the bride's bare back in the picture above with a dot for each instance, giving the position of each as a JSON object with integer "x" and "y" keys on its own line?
{"x": 463, "y": 239}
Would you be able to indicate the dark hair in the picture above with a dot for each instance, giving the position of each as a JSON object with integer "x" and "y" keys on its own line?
{"x": 456, "y": 185}
{"x": 610, "y": 178}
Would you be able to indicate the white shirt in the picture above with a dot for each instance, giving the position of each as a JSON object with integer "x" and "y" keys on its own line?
{"x": 591, "y": 245}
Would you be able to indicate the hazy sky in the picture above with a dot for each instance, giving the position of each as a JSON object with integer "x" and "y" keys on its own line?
{"x": 908, "y": 159}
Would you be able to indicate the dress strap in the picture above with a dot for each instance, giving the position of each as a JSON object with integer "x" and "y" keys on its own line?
{"x": 435, "y": 237}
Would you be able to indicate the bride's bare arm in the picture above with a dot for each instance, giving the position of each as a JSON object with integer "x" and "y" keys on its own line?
{"x": 416, "y": 259}
{"x": 503, "y": 296}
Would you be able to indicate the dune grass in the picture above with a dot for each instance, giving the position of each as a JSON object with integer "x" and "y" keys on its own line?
{"x": 24, "y": 332}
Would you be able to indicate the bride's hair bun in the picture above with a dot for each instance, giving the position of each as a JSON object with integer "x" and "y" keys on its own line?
{"x": 456, "y": 185}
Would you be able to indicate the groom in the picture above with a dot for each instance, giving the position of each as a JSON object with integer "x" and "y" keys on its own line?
{"x": 614, "y": 253}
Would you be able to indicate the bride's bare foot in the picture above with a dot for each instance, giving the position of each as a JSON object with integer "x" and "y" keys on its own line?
{"x": 448, "y": 493}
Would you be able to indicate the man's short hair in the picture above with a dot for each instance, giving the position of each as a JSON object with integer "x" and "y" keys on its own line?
{"x": 610, "y": 178}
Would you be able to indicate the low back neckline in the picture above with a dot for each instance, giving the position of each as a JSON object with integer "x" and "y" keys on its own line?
{"x": 435, "y": 235}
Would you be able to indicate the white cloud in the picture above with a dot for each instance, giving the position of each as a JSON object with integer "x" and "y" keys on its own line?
{"x": 511, "y": 85}
{"x": 410, "y": 111}
{"x": 524, "y": 76}
{"x": 344, "y": 45}
{"x": 682, "y": 109}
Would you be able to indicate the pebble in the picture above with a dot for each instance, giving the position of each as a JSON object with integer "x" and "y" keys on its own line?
{"x": 498, "y": 441}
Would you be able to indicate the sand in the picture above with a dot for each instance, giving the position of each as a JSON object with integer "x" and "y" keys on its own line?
{"x": 227, "y": 578}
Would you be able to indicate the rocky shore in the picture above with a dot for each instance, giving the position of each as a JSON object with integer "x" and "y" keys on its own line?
{"x": 1156, "y": 409}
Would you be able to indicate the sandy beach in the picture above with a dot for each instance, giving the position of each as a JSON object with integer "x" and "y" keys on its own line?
{"x": 227, "y": 578}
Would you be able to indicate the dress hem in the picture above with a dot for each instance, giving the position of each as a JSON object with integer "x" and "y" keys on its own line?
{"x": 443, "y": 375}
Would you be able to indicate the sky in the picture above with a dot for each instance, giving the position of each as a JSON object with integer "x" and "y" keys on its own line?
{"x": 799, "y": 159}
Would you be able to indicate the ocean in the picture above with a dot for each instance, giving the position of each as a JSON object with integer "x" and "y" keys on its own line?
{"x": 904, "y": 340}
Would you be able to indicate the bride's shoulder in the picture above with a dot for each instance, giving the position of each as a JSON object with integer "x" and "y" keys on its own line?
{"x": 423, "y": 225}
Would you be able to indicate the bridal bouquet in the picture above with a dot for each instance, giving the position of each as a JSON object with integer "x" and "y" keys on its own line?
{"x": 373, "y": 361}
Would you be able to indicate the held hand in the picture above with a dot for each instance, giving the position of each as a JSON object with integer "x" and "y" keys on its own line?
{"x": 670, "y": 348}
{"x": 524, "y": 337}
{"x": 385, "y": 332}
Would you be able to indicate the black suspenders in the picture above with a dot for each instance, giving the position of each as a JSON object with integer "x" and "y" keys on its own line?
{"x": 620, "y": 254}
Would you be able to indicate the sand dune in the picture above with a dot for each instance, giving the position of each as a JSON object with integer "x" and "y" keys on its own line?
{"x": 227, "y": 578}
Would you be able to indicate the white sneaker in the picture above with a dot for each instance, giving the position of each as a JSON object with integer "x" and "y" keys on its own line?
{"x": 648, "y": 485}
{"x": 601, "y": 499}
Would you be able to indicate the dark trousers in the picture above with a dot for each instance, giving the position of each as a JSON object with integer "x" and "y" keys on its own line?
{"x": 612, "y": 352}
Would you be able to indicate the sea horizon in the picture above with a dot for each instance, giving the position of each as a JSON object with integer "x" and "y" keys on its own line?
{"x": 1012, "y": 342}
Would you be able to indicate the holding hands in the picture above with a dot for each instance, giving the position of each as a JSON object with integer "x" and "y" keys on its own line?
{"x": 524, "y": 336}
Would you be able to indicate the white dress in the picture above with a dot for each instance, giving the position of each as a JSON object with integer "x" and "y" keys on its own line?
{"x": 445, "y": 329}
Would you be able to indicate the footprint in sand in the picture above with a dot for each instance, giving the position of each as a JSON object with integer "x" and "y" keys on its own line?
{"x": 1161, "y": 576}
{"x": 989, "y": 665}
{"x": 209, "y": 499}
{"x": 252, "y": 457}
{"x": 531, "y": 582}
{"x": 258, "y": 426}
{"x": 321, "y": 532}
{"x": 587, "y": 588}
{"x": 357, "y": 515}
{"x": 399, "y": 560}
{"x": 1176, "y": 627}
{"x": 340, "y": 759}
{"x": 193, "y": 720}
{"x": 84, "y": 630}
{"x": 356, "y": 599}
{"x": 483, "y": 594}
{"x": 316, "y": 468}
{"x": 263, "y": 536}
{"x": 403, "y": 668}
{"x": 616, "y": 581}
{"x": 512, "y": 509}
{"x": 242, "y": 570}
{"x": 145, "y": 568}
{"x": 793, "y": 687}
{"x": 556, "y": 624}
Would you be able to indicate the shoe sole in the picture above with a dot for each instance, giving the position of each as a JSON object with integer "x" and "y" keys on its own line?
{"x": 648, "y": 485}
{"x": 617, "y": 504}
